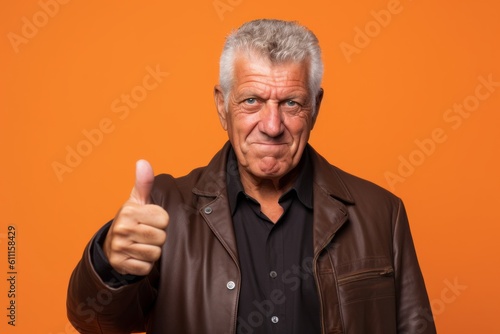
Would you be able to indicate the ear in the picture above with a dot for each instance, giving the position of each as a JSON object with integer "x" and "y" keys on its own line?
{"x": 220, "y": 105}
{"x": 319, "y": 98}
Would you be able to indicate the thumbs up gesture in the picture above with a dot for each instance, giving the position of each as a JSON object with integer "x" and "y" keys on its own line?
{"x": 134, "y": 240}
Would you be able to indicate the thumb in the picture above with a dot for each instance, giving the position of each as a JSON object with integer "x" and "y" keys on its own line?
{"x": 144, "y": 178}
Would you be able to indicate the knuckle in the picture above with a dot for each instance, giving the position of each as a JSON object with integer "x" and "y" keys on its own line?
{"x": 151, "y": 253}
{"x": 127, "y": 211}
{"x": 162, "y": 237}
{"x": 162, "y": 219}
{"x": 145, "y": 270}
{"x": 121, "y": 229}
{"x": 156, "y": 209}
{"x": 116, "y": 254}
{"x": 139, "y": 268}
{"x": 153, "y": 209}
{"x": 155, "y": 253}
{"x": 165, "y": 219}
{"x": 155, "y": 236}
{"x": 116, "y": 264}
{"x": 118, "y": 245}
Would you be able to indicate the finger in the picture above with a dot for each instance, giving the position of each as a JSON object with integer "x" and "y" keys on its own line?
{"x": 144, "y": 178}
{"x": 142, "y": 252}
{"x": 134, "y": 267}
{"x": 149, "y": 235}
{"x": 151, "y": 214}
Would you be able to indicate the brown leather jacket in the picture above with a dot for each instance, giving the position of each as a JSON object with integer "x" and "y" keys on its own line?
{"x": 364, "y": 264}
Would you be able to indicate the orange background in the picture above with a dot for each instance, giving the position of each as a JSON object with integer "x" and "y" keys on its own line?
{"x": 62, "y": 77}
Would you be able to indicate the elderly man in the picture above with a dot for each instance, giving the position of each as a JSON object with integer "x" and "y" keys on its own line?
{"x": 268, "y": 237}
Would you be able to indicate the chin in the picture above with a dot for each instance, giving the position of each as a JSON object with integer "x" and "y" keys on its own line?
{"x": 272, "y": 170}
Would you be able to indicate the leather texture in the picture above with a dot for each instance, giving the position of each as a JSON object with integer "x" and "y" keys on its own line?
{"x": 365, "y": 266}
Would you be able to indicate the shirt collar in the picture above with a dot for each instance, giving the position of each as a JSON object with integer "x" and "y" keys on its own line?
{"x": 302, "y": 185}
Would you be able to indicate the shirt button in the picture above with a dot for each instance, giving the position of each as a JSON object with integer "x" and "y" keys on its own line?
{"x": 273, "y": 274}
{"x": 208, "y": 210}
{"x": 275, "y": 319}
{"x": 230, "y": 285}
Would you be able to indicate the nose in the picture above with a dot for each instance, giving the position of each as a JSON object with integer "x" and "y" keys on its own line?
{"x": 271, "y": 122}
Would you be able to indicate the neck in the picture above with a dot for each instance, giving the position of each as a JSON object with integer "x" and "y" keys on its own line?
{"x": 267, "y": 190}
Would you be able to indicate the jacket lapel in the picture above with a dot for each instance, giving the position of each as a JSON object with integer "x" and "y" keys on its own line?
{"x": 330, "y": 197}
{"x": 213, "y": 203}
{"x": 329, "y": 216}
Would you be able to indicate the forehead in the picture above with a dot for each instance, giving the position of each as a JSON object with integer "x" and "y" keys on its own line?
{"x": 251, "y": 69}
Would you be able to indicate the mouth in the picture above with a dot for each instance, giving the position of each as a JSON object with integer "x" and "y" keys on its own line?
{"x": 270, "y": 149}
{"x": 269, "y": 144}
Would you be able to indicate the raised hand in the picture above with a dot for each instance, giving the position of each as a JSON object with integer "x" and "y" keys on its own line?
{"x": 135, "y": 238}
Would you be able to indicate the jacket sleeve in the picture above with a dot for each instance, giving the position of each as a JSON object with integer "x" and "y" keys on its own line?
{"x": 95, "y": 307}
{"x": 413, "y": 309}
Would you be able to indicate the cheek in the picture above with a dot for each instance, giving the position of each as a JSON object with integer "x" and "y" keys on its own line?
{"x": 299, "y": 128}
{"x": 242, "y": 125}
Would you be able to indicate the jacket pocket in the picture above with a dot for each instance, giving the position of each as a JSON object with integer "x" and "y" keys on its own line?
{"x": 367, "y": 284}
{"x": 368, "y": 300}
{"x": 366, "y": 274}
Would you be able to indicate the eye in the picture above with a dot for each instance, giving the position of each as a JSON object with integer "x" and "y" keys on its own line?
{"x": 251, "y": 104}
{"x": 291, "y": 104}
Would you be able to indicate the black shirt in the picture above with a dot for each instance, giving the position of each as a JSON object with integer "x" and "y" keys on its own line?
{"x": 278, "y": 292}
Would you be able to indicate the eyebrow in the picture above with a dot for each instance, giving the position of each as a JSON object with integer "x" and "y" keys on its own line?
{"x": 291, "y": 93}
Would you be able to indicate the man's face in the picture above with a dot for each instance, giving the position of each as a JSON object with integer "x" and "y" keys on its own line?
{"x": 269, "y": 115}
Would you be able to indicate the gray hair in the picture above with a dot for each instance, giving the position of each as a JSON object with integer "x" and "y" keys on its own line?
{"x": 279, "y": 41}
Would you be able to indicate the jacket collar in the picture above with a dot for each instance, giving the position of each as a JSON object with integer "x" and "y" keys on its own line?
{"x": 330, "y": 197}
{"x": 327, "y": 178}
{"x": 212, "y": 181}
